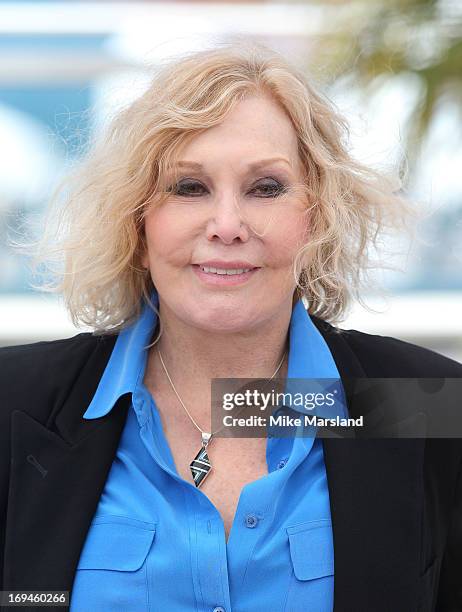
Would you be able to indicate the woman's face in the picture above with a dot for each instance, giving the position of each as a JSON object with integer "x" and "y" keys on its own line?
{"x": 226, "y": 213}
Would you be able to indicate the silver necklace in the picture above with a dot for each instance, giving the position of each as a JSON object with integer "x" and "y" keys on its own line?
{"x": 201, "y": 466}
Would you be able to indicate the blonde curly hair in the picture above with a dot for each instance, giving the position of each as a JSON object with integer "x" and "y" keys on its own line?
{"x": 92, "y": 242}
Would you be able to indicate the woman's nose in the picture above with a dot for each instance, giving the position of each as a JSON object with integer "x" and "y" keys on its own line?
{"x": 226, "y": 221}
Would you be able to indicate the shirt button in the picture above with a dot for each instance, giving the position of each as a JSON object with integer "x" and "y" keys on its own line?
{"x": 282, "y": 463}
{"x": 251, "y": 521}
{"x": 219, "y": 609}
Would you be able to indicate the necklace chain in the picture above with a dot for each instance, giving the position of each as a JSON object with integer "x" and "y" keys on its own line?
{"x": 205, "y": 436}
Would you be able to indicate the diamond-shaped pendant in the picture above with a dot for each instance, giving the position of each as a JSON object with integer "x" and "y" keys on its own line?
{"x": 200, "y": 467}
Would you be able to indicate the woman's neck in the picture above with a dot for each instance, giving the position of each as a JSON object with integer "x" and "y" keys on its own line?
{"x": 210, "y": 354}
{"x": 193, "y": 357}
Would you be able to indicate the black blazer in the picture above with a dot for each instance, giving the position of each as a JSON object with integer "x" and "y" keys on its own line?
{"x": 396, "y": 504}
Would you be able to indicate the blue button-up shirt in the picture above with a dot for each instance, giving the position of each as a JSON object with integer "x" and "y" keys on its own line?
{"x": 158, "y": 543}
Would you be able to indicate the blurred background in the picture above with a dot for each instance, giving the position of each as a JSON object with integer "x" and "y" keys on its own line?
{"x": 394, "y": 67}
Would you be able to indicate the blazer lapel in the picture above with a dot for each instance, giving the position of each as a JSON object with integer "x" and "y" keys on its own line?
{"x": 376, "y": 496}
{"x": 58, "y": 473}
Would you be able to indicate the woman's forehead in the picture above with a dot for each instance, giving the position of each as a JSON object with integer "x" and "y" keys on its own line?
{"x": 260, "y": 127}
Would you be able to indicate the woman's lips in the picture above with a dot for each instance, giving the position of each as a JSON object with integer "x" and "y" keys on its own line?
{"x": 226, "y": 280}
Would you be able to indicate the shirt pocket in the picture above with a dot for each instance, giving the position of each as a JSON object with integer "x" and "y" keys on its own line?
{"x": 112, "y": 569}
{"x": 311, "y": 549}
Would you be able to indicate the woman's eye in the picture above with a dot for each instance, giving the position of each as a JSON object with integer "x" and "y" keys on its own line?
{"x": 270, "y": 189}
{"x": 186, "y": 187}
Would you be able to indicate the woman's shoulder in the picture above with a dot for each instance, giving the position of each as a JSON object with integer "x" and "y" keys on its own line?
{"x": 40, "y": 373}
{"x": 388, "y": 356}
{"x": 48, "y": 353}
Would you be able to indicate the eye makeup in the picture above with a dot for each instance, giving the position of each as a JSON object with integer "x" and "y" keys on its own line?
{"x": 190, "y": 187}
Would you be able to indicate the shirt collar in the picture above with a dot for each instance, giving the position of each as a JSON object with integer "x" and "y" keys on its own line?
{"x": 127, "y": 363}
{"x": 309, "y": 356}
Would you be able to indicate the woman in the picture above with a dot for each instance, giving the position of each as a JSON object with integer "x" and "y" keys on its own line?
{"x": 222, "y": 202}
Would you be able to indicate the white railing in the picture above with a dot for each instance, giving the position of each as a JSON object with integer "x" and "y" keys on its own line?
{"x": 433, "y": 320}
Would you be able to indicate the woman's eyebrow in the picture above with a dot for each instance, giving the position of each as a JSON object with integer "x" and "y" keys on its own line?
{"x": 252, "y": 166}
